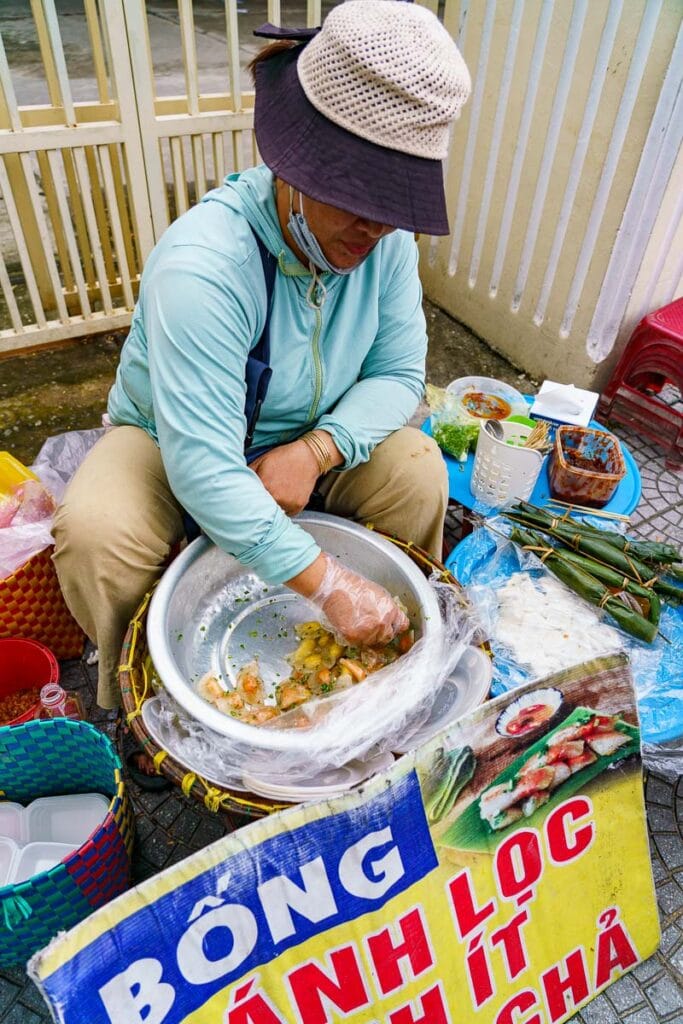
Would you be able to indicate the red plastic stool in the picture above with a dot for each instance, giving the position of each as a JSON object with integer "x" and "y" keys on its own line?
{"x": 653, "y": 357}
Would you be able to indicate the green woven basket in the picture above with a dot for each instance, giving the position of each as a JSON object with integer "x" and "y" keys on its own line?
{"x": 52, "y": 758}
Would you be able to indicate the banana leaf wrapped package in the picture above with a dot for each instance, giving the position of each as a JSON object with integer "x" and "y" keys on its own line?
{"x": 453, "y": 771}
{"x": 595, "y": 545}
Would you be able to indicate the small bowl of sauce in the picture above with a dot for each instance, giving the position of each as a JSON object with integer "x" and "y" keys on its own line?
{"x": 485, "y": 398}
{"x": 486, "y": 406}
{"x": 530, "y": 714}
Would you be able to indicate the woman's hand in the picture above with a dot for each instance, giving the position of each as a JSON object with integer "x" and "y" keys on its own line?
{"x": 289, "y": 474}
{"x": 362, "y": 611}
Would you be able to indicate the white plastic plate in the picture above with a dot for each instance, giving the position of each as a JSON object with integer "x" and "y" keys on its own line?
{"x": 465, "y": 689}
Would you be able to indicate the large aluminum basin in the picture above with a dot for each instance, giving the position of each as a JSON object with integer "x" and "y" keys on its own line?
{"x": 209, "y": 613}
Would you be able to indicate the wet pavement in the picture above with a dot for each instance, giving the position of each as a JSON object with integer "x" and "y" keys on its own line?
{"x": 69, "y": 387}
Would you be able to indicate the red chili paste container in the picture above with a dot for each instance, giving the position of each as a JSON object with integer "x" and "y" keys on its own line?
{"x": 586, "y": 466}
{"x": 24, "y": 665}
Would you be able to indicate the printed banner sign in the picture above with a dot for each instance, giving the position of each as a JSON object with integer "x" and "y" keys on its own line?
{"x": 498, "y": 875}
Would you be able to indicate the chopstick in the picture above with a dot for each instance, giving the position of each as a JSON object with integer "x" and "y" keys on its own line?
{"x": 592, "y": 511}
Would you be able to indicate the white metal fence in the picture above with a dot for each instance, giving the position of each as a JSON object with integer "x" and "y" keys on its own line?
{"x": 87, "y": 187}
{"x": 564, "y": 178}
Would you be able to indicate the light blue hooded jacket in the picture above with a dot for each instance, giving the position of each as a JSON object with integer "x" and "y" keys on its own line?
{"x": 355, "y": 367}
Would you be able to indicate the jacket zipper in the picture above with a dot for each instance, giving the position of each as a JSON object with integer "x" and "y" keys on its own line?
{"x": 317, "y": 361}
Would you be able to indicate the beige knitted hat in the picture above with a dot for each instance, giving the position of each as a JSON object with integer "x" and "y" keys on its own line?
{"x": 388, "y": 72}
{"x": 357, "y": 116}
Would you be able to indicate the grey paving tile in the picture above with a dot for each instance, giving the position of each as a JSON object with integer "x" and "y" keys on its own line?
{"x": 31, "y": 997}
{"x": 167, "y": 812}
{"x": 20, "y": 1014}
{"x": 600, "y": 1011}
{"x": 208, "y": 832}
{"x": 647, "y": 970}
{"x": 659, "y": 790}
{"x": 150, "y": 802}
{"x": 179, "y": 853}
{"x": 642, "y": 1016}
{"x": 143, "y": 828}
{"x": 659, "y": 871}
{"x": 157, "y": 849}
{"x": 661, "y": 819}
{"x": 185, "y": 825}
{"x": 670, "y": 936}
{"x": 677, "y": 960}
{"x": 670, "y": 897}
{"x": 670, "y": 847}
{"x": 665, "y": 995}
{"x": 624, "y": 994}
{"x": 9, "y": 990}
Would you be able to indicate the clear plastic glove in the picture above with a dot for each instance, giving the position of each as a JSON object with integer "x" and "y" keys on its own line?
{"x": 359, "y": 609}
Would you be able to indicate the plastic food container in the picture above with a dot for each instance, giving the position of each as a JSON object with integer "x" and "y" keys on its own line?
{"x": 37, "y": 857}
{"x": 8, "y": 854}
{"x": 25, "y": 664}
{"x": 65, "y": 819}
{"x": 11, "y": 821}
{"x": 586, "y": 466}
{"x": 35, "y": 838}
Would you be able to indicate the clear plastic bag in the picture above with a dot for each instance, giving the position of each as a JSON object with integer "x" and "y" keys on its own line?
{"x": 26, "y": 514}
{"x": 60, "y": 457}
{"x": 453, "y": 430}
{"x": 372, "y": 716}
{"x": 19, "y": 543}
{"x": 525, "y": 648}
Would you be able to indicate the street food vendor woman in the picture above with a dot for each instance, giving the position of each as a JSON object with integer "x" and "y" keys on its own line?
{"x": 278, "y": 343}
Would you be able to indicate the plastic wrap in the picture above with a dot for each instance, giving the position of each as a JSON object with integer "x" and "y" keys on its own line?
{"x": 491, "y": 568}
{"x": 25, "y": 523}
{"x": 369, "y": 717}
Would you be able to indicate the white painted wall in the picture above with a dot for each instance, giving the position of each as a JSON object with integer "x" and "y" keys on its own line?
{"x": 565, "y": 179}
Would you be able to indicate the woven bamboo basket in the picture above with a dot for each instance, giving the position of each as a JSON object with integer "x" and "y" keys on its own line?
{"x": 136, "y": 679}
{"x": 32, "y": 606}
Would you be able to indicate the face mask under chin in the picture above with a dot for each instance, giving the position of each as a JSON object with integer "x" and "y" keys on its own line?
{"x": 306, "y": 240}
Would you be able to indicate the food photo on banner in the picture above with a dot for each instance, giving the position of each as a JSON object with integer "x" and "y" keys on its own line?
{"x": 499, "y": 873}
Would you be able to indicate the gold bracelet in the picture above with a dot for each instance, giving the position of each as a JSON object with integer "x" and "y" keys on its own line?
{"x": 320, "y": 450}
{"x": 312, "y": 446}
{"x": 329, "y": 456}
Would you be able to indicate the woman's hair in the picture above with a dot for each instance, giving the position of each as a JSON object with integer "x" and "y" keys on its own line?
{"x": 268, "y": 51}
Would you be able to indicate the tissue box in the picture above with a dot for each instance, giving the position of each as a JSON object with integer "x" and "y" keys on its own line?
{"x": 563, "y": 403}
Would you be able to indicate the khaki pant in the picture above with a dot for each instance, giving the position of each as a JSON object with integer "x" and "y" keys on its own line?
{"x": 119, "y": 521}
